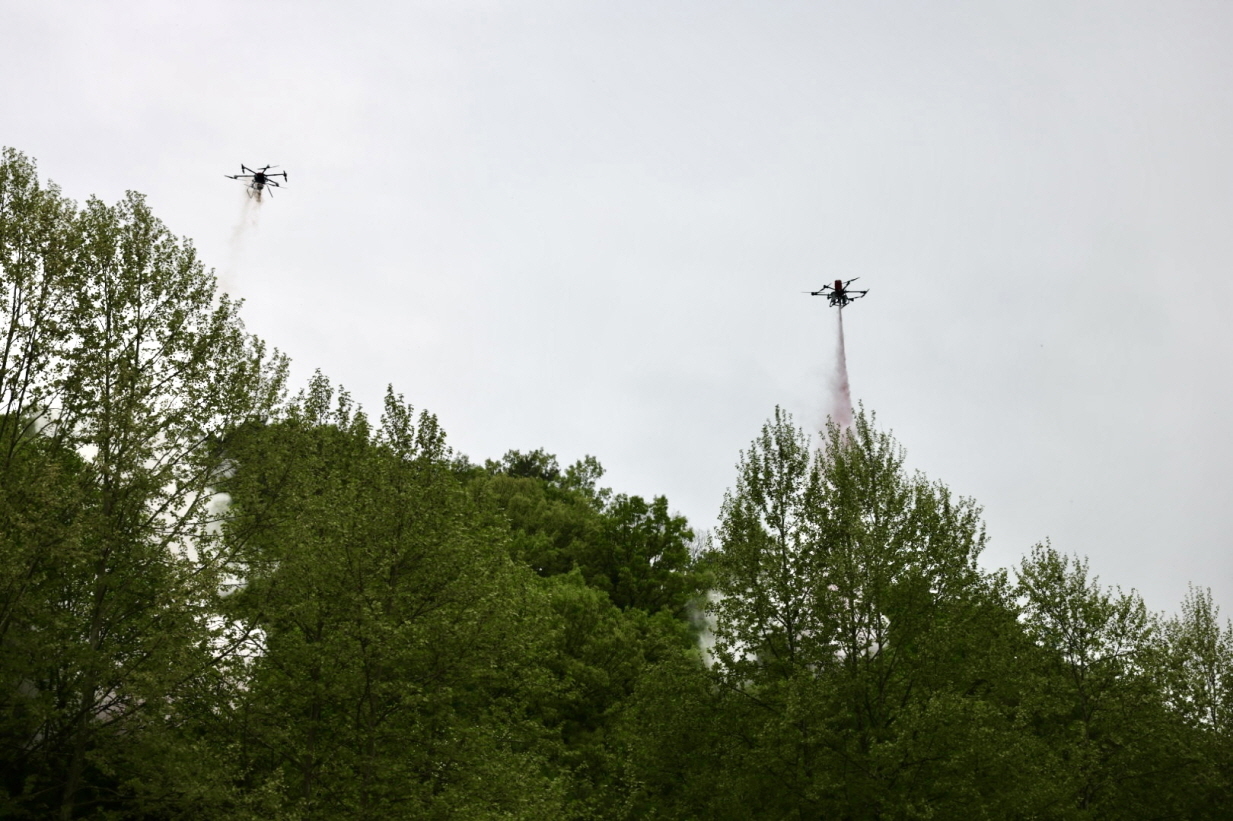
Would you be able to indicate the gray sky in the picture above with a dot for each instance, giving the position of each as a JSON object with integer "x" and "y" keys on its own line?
{"x": 587, "y": 226}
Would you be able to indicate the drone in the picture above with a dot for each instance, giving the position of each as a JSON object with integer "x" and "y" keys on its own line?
{"x": 260, "y": 178}
{"x": 838, "y": 294}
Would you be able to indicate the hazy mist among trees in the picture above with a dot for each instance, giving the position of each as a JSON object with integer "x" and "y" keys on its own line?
{"x": 221, "y": 597}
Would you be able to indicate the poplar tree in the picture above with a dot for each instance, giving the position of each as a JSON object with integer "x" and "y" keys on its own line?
{"x": 123, "y": 374}
{"x": 856, "y": 640}
{"x": 1194, "y": 668}
{"x": 1127, "y": 707}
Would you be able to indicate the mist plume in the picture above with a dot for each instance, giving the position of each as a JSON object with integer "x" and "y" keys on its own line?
{"x": 841, "y": 392}
{"x": 244, "y": 228}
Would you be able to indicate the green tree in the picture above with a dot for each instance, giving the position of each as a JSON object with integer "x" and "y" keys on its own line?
{"x": 619, "y": 576}
{"x": 553, "y": 515}
{"x": 598, "y": 655}
{"x": 636, "y": 551}
{"x": 1194, "y": 668}
{"x": 121, "y": 376}
{"x": 1198, "y": 663}
{"x": 642, "y": 558}
{"x": 864, "y": 654}
{"x": 398, "y": 642}
{"x": 1100, "y": 702}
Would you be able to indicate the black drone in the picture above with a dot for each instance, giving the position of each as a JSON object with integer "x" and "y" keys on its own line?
{"x": 258, "y": 179}
{"x": 839, "y": 294}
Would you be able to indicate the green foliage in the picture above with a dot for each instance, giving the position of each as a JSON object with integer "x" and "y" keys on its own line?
{"x": 1117, "y": 747}
{"x": 620, "y": 579}
{"x": 857, "y": 637}
{"x": 635, "y": 551}
{"x": 553, "y": 521}
{"x": 217, "y": 603}
{"x": 1194, "y": 670}
{"x": 393, "y": 636}
{"x": 120, "y": 376}
{"x": 1198, "y": 663}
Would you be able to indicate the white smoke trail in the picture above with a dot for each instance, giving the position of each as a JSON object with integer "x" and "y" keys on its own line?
{"x": 841, "y": 391}
{"x": 244, "y": 228}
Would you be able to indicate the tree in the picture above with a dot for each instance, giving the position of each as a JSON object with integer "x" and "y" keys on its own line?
{"x": 1198, "y": 663}
{"x": 122, "y": 376}
{"x": 553, "y": 515}
{"x": 1115, "y": 733}
{"x": 642, "y": 558}
{"x": 859, "y": 641}
{"x": 619, "y": 578}
{"x": 397, "y": 639}
{"x": 634, "y": 550}
{"x": 1194, "y": 669}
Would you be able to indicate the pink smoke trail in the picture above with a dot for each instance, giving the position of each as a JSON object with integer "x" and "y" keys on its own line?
{"x": 841, "y": 393}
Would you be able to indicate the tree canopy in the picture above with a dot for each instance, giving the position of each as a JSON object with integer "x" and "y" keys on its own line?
{"x": 221, "y": 599}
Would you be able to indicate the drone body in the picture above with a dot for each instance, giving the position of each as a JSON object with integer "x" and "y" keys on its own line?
{"x": 839, "y": 295}
{"x": 261, "y": 179}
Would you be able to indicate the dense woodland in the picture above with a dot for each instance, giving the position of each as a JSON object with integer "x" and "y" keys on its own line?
{"x": 221, "y": 597}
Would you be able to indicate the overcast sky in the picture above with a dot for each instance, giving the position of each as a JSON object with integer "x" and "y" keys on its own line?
{"x": 587, "y": 227}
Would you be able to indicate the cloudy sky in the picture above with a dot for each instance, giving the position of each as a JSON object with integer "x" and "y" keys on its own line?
{"x": 587, "y": 227}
